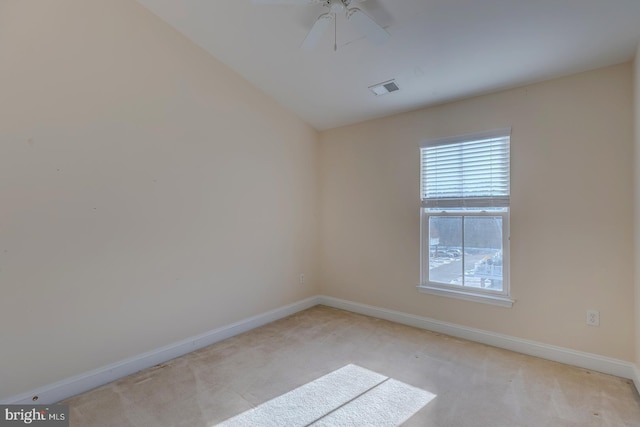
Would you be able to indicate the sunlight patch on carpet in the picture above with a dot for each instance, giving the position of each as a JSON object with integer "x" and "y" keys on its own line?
{"x": 349, "y": 396}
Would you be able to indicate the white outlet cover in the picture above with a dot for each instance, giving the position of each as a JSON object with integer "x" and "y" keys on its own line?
{"x": 593, "y": 318}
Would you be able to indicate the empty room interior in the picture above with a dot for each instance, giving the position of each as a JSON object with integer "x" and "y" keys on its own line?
{"x": 321, "y": 212}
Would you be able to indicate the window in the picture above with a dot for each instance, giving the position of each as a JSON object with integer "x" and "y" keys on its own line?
{"x": 465, "y": 187}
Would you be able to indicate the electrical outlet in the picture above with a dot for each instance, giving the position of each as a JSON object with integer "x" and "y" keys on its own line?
{"x": 593, "y": 318}
{"x": 302, "y": 279}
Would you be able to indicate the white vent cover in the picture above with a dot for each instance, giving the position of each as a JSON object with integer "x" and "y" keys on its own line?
{"x": 384, "y": 88}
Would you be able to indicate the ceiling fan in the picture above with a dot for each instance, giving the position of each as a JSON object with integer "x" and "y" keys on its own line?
{"x": 360, "y": 20}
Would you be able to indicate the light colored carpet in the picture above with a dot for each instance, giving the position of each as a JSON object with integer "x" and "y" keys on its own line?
{"x": 476, "y": 385}
{"x": 388, "y": 405}
{"x": 349, "y": 396}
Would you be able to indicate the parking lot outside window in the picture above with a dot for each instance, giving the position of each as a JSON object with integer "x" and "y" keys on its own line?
{"x": 465, "y": 196}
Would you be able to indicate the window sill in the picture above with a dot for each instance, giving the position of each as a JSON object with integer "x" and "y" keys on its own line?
{"x": 499, "y": 300}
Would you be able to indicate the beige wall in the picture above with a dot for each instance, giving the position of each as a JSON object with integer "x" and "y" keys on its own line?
{"x": 147, "y": 192}
{"x": 571, "y": 220}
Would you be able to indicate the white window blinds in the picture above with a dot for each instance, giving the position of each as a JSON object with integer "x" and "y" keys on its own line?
{"x": 466, "y": 171}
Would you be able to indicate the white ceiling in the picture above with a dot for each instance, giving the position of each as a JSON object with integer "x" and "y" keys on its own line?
{"x": 439, "y": 50}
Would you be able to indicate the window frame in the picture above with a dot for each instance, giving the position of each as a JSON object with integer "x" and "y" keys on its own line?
{"x": 469, "y": 293}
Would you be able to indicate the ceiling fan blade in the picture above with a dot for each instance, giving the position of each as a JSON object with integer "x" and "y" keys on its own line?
{"x": 367, "y": 26}
{"x": 284, "y": 1}
{"x": 322, "y": 24}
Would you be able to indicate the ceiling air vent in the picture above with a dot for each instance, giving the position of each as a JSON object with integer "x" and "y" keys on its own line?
{"x": 384, "y": 88}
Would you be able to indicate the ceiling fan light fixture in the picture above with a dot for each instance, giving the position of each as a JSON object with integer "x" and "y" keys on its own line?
{"x": 362, "y": 22}
{"x": 384, "y": 88}
{"x": 336, "y": 6}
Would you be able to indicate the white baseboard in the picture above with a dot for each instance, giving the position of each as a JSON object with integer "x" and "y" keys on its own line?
{"x": 86, "y": 381}
{"x": 581, "y": 359}
{"x": 89, "y": 380}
